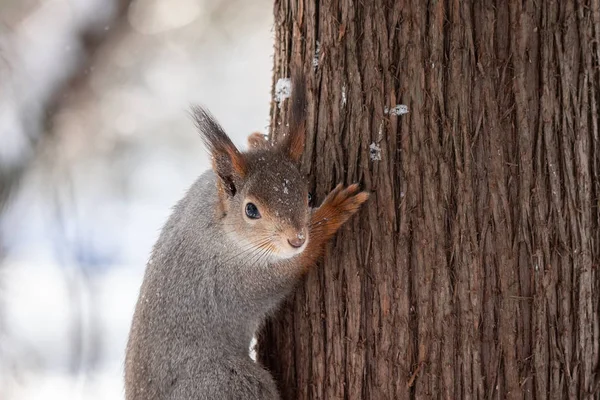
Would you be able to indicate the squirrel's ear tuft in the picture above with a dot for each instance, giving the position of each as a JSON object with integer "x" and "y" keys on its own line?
{"x": 293, "y": 143}
{"x": 257, "y": 141}
{"x": 228, "y": 163}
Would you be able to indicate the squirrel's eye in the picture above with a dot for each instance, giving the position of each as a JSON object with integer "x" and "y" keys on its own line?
{"x": 310, "y": 199}
{"x": 252, "y": 211}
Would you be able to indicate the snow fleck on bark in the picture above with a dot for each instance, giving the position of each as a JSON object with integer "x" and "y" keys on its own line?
{"x": 375, "y": 152}
{"x": 400, "y": 109}
{"x": 315, "y": 61}
{"x": 283, "y": 90}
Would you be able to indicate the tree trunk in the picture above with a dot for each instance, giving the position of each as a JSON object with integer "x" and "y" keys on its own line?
{"x": 472, "y": 272}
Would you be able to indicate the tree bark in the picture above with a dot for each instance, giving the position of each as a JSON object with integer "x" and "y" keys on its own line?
{"x": 472, "y": 272}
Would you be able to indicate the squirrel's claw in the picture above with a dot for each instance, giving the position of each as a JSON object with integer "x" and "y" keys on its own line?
{"x": 334, "y": 193}
{"x": 339, "y": 194}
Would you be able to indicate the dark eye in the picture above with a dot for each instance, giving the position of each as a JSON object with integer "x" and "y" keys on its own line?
{"x": 252, "y": 211}
{"x": 310, "y": 199}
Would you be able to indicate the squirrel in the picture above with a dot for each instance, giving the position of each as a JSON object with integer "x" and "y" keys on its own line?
{"x": 234, "y": 247}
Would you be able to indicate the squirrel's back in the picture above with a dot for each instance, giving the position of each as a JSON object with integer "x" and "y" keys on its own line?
{"x": 151, "y": 356}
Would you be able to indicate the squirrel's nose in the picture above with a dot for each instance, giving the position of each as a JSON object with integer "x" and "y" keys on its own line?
{"x": 298, "y": 240}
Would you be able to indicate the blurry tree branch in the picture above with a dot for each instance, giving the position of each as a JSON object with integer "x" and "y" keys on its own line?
{"x": 45, "y": 49}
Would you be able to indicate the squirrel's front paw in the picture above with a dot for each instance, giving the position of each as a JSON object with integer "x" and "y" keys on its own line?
{"x": 340, "y": 204}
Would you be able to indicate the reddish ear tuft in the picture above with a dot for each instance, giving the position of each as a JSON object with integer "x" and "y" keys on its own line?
{"x": 293, "y": 142}
{"x": 228, "y": 163}
{"x": 238, "y": 162}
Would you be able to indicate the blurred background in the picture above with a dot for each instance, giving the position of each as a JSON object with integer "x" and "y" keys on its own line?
{"x": 96, "y": 146}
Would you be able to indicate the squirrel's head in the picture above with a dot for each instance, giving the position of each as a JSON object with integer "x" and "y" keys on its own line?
{"x": 263, "y": 197}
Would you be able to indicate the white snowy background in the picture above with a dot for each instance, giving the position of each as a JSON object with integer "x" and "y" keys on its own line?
{"x": 102, "y": 145}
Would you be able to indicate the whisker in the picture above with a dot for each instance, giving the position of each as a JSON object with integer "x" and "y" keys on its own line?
{"x": 262, "y": 255}
{"x": 260, "y": 244}
{"x": 258, "y": 256}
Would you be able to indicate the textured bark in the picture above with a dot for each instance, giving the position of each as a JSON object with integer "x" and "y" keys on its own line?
{"x": 472, "y": 272}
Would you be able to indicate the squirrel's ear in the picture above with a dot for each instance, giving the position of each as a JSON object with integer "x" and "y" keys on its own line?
{"x": 228, "y": 163}
{"x": 257, "y": 141}
{"x": 293, "y": 143}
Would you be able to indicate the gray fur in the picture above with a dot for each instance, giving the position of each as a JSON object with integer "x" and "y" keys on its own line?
{"x": 201, "y": 301}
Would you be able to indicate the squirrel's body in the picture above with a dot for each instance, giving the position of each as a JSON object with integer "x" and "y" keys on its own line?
{"x": 233, "y": 248}
{"x": 189, "y": 324}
